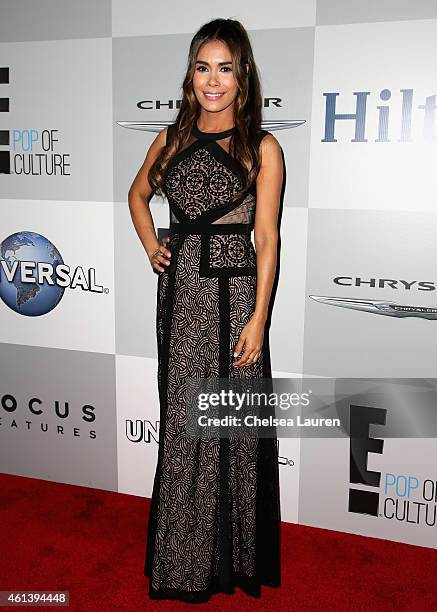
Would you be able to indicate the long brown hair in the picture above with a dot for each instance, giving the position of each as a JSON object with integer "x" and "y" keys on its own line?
{"x": 247, "y": 105}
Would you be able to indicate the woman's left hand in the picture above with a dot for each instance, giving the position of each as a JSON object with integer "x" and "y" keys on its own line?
{"x": 251, "y": 339}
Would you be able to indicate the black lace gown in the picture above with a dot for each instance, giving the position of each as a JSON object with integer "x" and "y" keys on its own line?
{"x": 215, "y": 513}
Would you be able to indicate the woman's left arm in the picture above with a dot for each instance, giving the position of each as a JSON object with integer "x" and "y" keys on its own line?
{"x": 268, "y": 194}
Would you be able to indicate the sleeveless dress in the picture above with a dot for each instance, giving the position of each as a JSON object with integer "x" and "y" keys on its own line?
{"x": 214, "y": 520}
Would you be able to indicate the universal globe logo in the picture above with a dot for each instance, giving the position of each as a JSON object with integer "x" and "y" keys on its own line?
{"x": 33, "y": 275}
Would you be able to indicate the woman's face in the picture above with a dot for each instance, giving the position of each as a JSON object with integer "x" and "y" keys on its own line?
{"x": 214, "y": 75}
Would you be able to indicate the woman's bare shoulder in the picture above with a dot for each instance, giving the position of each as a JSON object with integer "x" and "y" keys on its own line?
{"x": 269, "y": 147}
{"x": 267, "y": 140}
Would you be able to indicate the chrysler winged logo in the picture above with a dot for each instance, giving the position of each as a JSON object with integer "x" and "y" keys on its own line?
{"x": 157, "y": 126}
{"x": 381, "y": 307}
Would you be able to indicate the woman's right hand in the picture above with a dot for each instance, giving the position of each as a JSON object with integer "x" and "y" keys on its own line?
{"x": 160, "y": 255}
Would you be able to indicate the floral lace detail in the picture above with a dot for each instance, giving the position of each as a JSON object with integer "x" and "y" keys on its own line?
{"x": 231, "y": 250}
{"x": 199, "y": 183}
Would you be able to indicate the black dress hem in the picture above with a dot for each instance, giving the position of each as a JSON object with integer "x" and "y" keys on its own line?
{"x": 250, "y": 586}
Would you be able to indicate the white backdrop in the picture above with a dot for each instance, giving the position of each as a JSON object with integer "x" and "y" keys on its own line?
{"x": 353, "y": 85}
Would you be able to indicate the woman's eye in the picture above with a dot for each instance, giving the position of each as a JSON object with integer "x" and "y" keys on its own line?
{"x": 223, "y": 67}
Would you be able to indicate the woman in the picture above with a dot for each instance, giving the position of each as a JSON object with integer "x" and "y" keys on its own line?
{"x": 215, "y": 514}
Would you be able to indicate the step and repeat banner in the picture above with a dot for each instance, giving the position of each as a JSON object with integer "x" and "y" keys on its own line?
{"x": 350, "y": 93}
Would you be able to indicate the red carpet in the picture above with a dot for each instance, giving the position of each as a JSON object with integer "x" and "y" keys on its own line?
{"x": 92, "y": 543}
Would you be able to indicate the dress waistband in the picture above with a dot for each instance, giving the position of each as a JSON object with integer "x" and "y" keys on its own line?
{"x": 210, "y": 228}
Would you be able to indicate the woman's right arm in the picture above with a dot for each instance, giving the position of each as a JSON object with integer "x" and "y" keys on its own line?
{"x": 139, "y": 195}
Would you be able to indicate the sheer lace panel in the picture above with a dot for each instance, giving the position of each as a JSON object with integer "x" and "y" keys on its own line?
{"x": 224, "y": 143}
{"x": 244, "y": 213}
